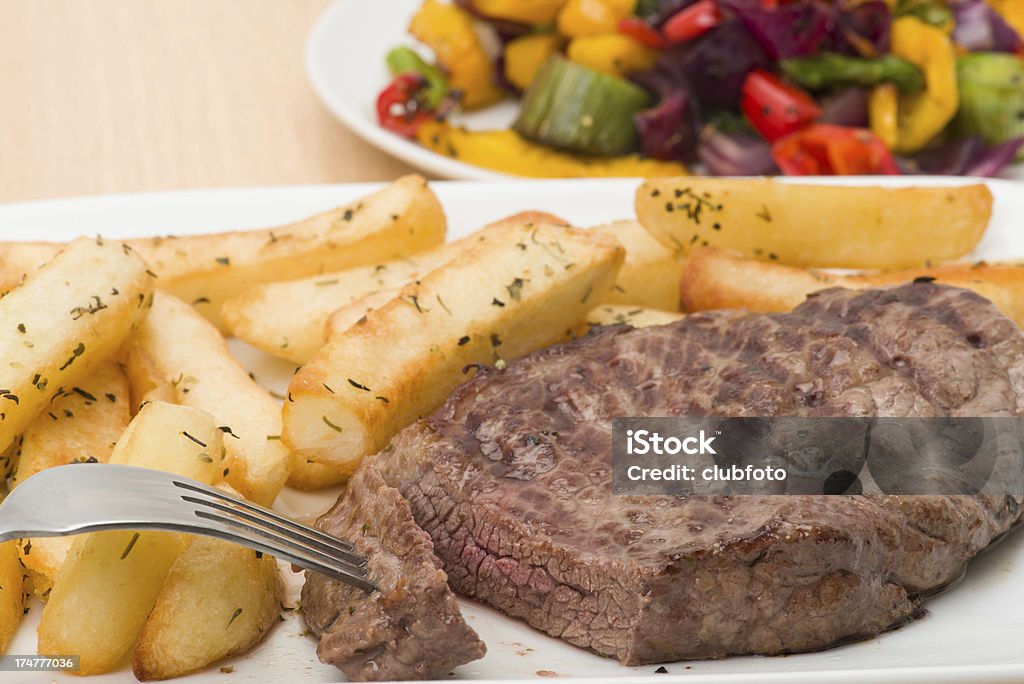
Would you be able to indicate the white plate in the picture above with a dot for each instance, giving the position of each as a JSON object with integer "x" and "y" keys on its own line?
{"x": 973, "y": 634}
{"x": 345, "y": 63}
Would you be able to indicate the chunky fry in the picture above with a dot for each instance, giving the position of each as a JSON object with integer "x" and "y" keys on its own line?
{"x": 219, "y": 600}
{"x": 81, "y": 425}
{"x": 649, "y": 276}
{"x": 347, "y": 316}
{"x": 288, "y": 319}
{"x": 68, "y": 317}
{"x": 145, "y": 379}
{"x": 12, "y": 593}
{"x": 715, "y": 279}
{"x": 42, "y": 558}
{"x": 187, "y": 351}
{"x": 402, "y": 218}
{"x": 621, "y": 314}
{"x": 110, "y": 581}
{"x": 517, "y": 289}
{"x": 816, "y": 225}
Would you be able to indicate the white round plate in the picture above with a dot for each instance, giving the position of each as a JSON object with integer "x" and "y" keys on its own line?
{"x": 345, "y": 63}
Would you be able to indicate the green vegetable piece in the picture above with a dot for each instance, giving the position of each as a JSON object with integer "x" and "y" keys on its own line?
{"x": 991, "y": 96}
{"x": 933, "y": 12}
{"x": 404, "y": 60}
{"x": 647, "y": 8}
{"x": 829, "y": 70}
{"x": 573, "y": 107}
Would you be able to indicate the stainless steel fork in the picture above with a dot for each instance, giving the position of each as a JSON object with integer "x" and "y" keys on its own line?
{"x": 91, "y": 497}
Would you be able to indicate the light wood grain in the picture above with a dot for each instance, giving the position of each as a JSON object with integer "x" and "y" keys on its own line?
{"x": 102, "y": 96}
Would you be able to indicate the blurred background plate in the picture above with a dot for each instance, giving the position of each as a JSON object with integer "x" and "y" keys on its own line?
{"x": 345, "y": 64}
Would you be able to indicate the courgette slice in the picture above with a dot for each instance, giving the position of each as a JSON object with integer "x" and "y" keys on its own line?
{"x": 991, "y": 96}
{"x": 573, "y": 107}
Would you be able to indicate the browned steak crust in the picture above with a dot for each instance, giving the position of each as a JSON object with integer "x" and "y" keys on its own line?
{"x": 511, "y": 478}
{"x": 411, "y": 628}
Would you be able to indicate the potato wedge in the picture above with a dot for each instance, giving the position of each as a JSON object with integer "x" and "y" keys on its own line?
{"x": 649, "y": 276}
{"x": 621, "y": 314}
{"x": 42, "y": 558}
{"x": 341, "y": 319}
{"x": 289, "y": 318}
{"x": 145, "y": 381}
{"x": 719, "y": 279}
{"x": 110, "y": 581}
{"x": 12, "y": 593}
{"x": 219, "y": 600}
{"x": 400, "y": 219}
{"x": 62, "y": 322}
{"x": 520, "y": 287}
{"x": 344, "y": 318}
{"x": 715, "y": 279}
{"x": 81, "y": 425}
{"x": 189, "y": 352}
{"x": 816, "y": 225}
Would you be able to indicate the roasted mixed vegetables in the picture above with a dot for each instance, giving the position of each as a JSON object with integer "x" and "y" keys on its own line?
{"x": 742, "y": 87}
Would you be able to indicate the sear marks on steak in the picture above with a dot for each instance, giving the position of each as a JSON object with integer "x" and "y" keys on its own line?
{"x": 512, "y": 478}
{"x": 411, "y": 628}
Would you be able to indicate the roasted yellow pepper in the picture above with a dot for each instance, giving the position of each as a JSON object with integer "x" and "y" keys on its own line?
{"x": 448, "y": 31}
{"x": 592, "y": 17}
{"x": 611, "y": 53}
{"x": 1012, "y": 11}
{"x": 921, "y": 116}
{"x": 507, "y": 152}
{"x": 533, "y": 12}
{"x": 882, "y": 107}
{"x": 525, "y": 55}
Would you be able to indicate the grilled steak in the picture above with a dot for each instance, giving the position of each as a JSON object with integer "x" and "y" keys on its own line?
{"x": 411, "y": 628}
{"x": 512, "y": 478}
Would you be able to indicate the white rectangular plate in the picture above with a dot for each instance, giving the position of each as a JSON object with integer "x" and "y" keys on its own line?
{"x": 973, "y": 633}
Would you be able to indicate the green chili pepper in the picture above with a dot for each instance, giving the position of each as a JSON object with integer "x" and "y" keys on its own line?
{"x": 404, "y": 60}
{"x": 934, "y": 12}
{"x": 830, "y": 70}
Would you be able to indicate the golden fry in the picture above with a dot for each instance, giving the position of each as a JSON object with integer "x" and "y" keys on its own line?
{"x": 519, "y": 288}
{"x": 187, "y": 351}
{"x": 823, "y": 226}
{"x": 110, "y": 581}
{"x": 67, "y": 318}
{"x": 402, "y": 218}
{"x": 715, "y": 279}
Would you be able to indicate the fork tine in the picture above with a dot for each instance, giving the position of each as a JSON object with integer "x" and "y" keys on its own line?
{"x": 297, "y": 536}
{"x": 239, "y": 533}
{"x": 283, "y": 548}
{"x": 326, "y": 539}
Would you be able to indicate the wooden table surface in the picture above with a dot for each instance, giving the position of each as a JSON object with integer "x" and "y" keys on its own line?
{"x": 104, "y": 96}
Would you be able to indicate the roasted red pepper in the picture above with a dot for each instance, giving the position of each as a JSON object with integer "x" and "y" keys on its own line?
{"x": 402, "y": 107}
{"x": 826, "y": 150}
{"x": 692, "y": 22}
{"x": 774, "y": 108}
{"x": 642, "y": 32}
